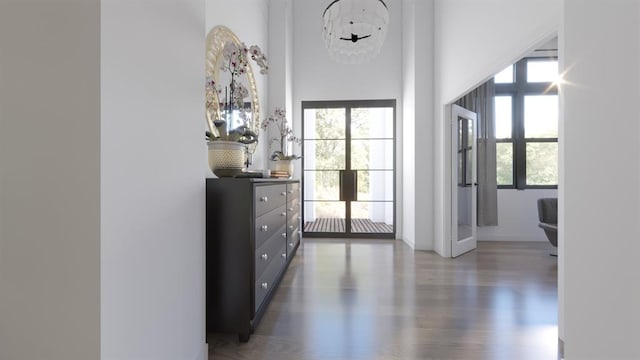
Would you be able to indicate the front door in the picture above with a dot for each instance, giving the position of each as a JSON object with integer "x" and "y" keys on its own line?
{"x": 349, "y": 168}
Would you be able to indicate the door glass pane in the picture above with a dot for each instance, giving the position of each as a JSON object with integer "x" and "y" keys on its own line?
{"x": 460, "y": 135}
{"x": 371, "y": 154}
{"x": 503, "y": 116}
{"x": 324, "y": 123}
{"x": 375, "y": 185}
{"x": 465, "y": 211}
{"x": 324, "y": 154}
{"x": 461, "y": 176}
{"x": 465, "y": 203}
{"x": 505, "y": 76}
{"x": 542, "y": 163}
{"x": 470, "y": 138}
{"x": 469, "y": 167}
{"x": 376, "y": 123}
{"x": 322, "y": 185}
{"x": 324, "y": 216}
{"x": 504, "y": 163}
{"x": 542, "y": 70}
{"x": 372, "y": 217}
{"x": 541, "y": 116}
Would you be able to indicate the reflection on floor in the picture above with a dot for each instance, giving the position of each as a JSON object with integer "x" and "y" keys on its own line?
{"x": 330, "y": 225}
{"x": 379, "y": 300}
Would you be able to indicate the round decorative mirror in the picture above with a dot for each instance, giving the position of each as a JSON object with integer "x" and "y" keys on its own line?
{"x": 219, "y": 95}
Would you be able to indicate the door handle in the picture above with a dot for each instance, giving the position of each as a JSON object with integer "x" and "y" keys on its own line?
{"x": 348, "y": 185}
{"x": 341, "y": 180}
{"x": 354, "y": 191}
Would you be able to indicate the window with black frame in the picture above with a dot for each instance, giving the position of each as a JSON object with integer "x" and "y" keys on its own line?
{"x": 526, "y": 123}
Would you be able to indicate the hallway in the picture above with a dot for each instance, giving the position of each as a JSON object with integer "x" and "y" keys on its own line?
{"x": 373, "y": 299}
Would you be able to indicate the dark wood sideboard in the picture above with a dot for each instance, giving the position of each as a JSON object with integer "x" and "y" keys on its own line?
{"x": 253, "y": 230}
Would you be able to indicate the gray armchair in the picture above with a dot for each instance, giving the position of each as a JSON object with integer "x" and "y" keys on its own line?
{"x": 548, "y": 218}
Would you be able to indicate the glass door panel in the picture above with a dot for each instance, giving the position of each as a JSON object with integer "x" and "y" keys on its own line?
{"x": 372, "y": 154}
{"x": 324, "y": 123}
{"x": 348, "y": 161}
{"x": 372, "y": 122}
{"x": 325, "y": 185}
{"x": 375, "y": 185}
{"x": 324, "y": 154}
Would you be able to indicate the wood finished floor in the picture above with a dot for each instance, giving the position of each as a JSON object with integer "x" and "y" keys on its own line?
{"x": 379, "y": 300}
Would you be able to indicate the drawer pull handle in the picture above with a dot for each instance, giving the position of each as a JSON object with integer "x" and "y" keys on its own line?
{"x": 283, "y": 214}
{"x": 265, "y": 257}
{"x": 284, "y": 235}
{"x": 290, "y": 191}
{"x": 290, "y": 227}
{"x": 284, "y": 193}
{"x": 290, "y": 244}
{"x": 264, "y": 228}
{"x": 284, "y": 256}
{"x": 264, "y": 199}
{"x": 264, "y": 285}
{"x": 290, "y": 209}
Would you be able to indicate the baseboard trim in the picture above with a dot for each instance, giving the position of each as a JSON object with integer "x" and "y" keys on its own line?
{"x": 411, "y": 244}
{"x": 204, "y": 352}
{"x": 512, "y": 237}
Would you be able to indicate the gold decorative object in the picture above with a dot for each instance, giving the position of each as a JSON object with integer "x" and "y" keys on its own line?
{"x": 216, "y": 39}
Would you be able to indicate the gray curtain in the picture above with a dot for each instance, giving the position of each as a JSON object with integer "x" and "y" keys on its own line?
{"x": 480, "y": 101}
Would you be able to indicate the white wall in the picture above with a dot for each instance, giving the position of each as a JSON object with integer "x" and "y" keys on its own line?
{"x": 249, "y": 20}
{"x": 317, "y": 77}
{"x": 517, "y": 216}
{"x": 492, "y": 33}
{"x": 418, "y": 86}
{"x": 408, "y": 121}
{"x": 473, "y": 41}
{"x": 152, "y": 186}
{"x": 49, "y": 180}
{"x": 280, "y": 93}
{"x": 599, "y": 193}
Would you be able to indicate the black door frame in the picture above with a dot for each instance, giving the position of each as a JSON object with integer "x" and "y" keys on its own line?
{"x": 348, "y": 105}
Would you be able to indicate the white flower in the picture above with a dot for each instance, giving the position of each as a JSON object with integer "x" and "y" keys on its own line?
{"x": 239, "y": 94}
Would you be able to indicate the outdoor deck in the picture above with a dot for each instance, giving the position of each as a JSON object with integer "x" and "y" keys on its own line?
{"x": 335, "y": 225}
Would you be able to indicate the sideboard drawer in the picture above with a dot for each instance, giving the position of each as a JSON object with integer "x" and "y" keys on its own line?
{"x": 269, "y": 251}
{"x": 269, "y": 197}
{"x": 293, "y": 241}
{"x": 293, "y": 205}
{"x": 293, "y": 221}
{"x": 293, "y": 191}
{"x": 268, "y": 224}
{"x": 267, "y": 281}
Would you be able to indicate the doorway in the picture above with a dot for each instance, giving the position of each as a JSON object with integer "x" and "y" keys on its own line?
{"x": 349, "y": 168}
{"x": 464, "y": 180}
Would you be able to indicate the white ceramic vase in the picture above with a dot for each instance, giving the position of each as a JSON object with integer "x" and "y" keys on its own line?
{"x": 226, "y": 158}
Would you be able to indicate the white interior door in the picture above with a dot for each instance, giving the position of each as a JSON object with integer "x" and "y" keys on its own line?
{"x": 463, "y": 180}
